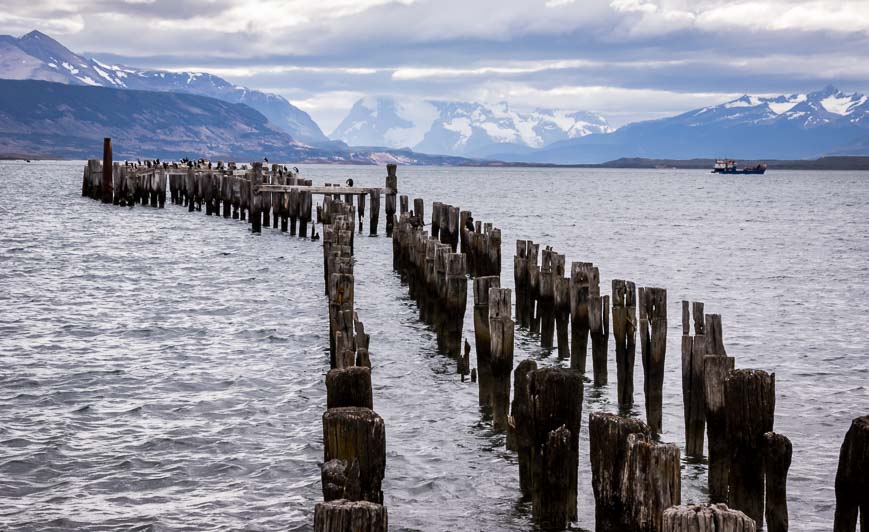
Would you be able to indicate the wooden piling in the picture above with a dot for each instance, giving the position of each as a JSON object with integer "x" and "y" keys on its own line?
{"x": 651, "y": 482}
{"x": 777, "y": 460}
{"x": 350, "y": 386}
{"x": 693, "y": 379}
{"x": 106, "y": 184}
{"x": 375, "y": 211}
{"x": 653, "y": 341}
{"x": 357, "y": 433}
{"x": 350, "y": 516}
{"x": 624, "y": 334}
{"x": 749, "y": 396}
{"x": 520, "y": 423}
{"x": 706, "y": 518}
{"x": 391, "y": 188}
{"x": 598, "y": 325}
{"x": 256, "y": 198}
{"x": 579, "y": 316}
{"x": 715, "y": 372}
{"x": 555, "y": 398}
{"x": 852, "y": 479}
{"x": 502, "y": 329}
{"x": 608, "y": 441}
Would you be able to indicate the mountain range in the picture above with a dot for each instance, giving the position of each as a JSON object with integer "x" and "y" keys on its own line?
{"x": 468, "y": 129}
{"x": 828, "y": 122}
{"x": 38, "y": 56}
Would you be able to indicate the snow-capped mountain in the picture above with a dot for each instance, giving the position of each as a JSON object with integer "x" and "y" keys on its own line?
{"x": 461, "y": 128}
{"x": 795, "y": 126}
{"x": 37, "y": 56}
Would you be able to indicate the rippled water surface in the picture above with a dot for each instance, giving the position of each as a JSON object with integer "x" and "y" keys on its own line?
{"x": 163, "y": 369}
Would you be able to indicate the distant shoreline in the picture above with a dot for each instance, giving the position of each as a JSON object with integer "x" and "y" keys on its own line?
{"x": 824, "y": 163}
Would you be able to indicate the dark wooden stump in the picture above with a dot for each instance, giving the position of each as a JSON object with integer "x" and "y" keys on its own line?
{"x": 579, "y": 325}
{"x": 624, "y": 334}
{"x": 555, "y": 399}
{"x": 350, "y": 516}
{"x": 502, "y": 329}
{"x": 693, "y": 381}
{"x": 106, "y": 183}
{"x": 852, "y": 479}
{"x": 749, "y": 396}
{"x": 608, "y": 441}
{"x": 349, "y": 387}
{"x": 356, "y": 433}
{"x": 706, "y": 518}
{"x": 715, "y": 372}
{"x": 521, "y": 422}
{"x": 777, "y": 461}
{"x": 653, "y": 341}
{"x": 651, "y": 482}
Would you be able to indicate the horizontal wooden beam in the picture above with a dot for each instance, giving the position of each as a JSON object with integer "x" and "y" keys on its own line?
{"x": 354, "y": 191}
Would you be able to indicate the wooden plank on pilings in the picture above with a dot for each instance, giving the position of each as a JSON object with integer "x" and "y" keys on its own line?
{"x": 350, "y": 516}
{"x": 706, "y": 518}
{"x": 391, "y": 189}
{"x": 520, "y": 423}
{"x": 608, "y": 441}
{"x": 579, "y": 314}
{"x": 777, "y": 460}
{"x": 852, "y": 479}
{"x": 715, "y": 372}
{"x": 651, "y": 482}
{"x": 749, "y": 396}
{"x": 624, "y": 318}
{"x": 653, "y": 341}
{"x": 106, "y": 183}
{"x": 357, "y": 433}
{"x": 349, "y": 386}
{"x": 555, "y": 399}
{"x": 598, "y": 326}
{"x": 502, "y": 330}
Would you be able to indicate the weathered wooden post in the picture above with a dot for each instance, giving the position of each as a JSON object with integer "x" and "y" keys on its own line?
{"x": 305, "y": 205}
{"x": 350, "y": 516}
{"x": 749, "y": 396}
{"x": 651, "y": 482}
{"x": 624, "y": 334}
{"x": 706, "y": 518}
{"x": 106, "y": 184}
{"x": 256, "y": 198}
{"x": 349, "y": 386}
{"x": 555, "y": 399}
{"x": 374, "y": 216}
{"x": 852, "y": 479}
{"x": 608, "y": 441}
{"x": 501, "y": 328}
{"x": 390, "y": 191}
{"x": 482, "y": 335}
{"x": 561, "y": 305}
{"x": 653, "y": 338}
{"x": 547, "y": 298}
{"x": 715, "y": 372}
{"x": 598, "y": 324}
{"x": 777, "y": 461}
{"x": 693, "y": 379}
{"x": 357, "y": 433}
{"x": 520, "y": 423}
{"x": 579, "y": 324}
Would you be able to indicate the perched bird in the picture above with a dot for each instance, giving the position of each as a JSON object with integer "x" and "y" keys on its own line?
{"x": 265, "y": 159}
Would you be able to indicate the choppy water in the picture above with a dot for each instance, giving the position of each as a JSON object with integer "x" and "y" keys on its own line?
{"x": 164, "y": 370}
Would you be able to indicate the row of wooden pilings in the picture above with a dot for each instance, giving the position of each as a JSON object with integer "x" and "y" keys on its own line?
{"x": 354, "y": 435}
{"x": 260, "y": 194}
{"x": 636, "y": 479}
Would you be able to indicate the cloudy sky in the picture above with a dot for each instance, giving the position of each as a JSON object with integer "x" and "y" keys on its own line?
{"x": 627, "y": 59}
